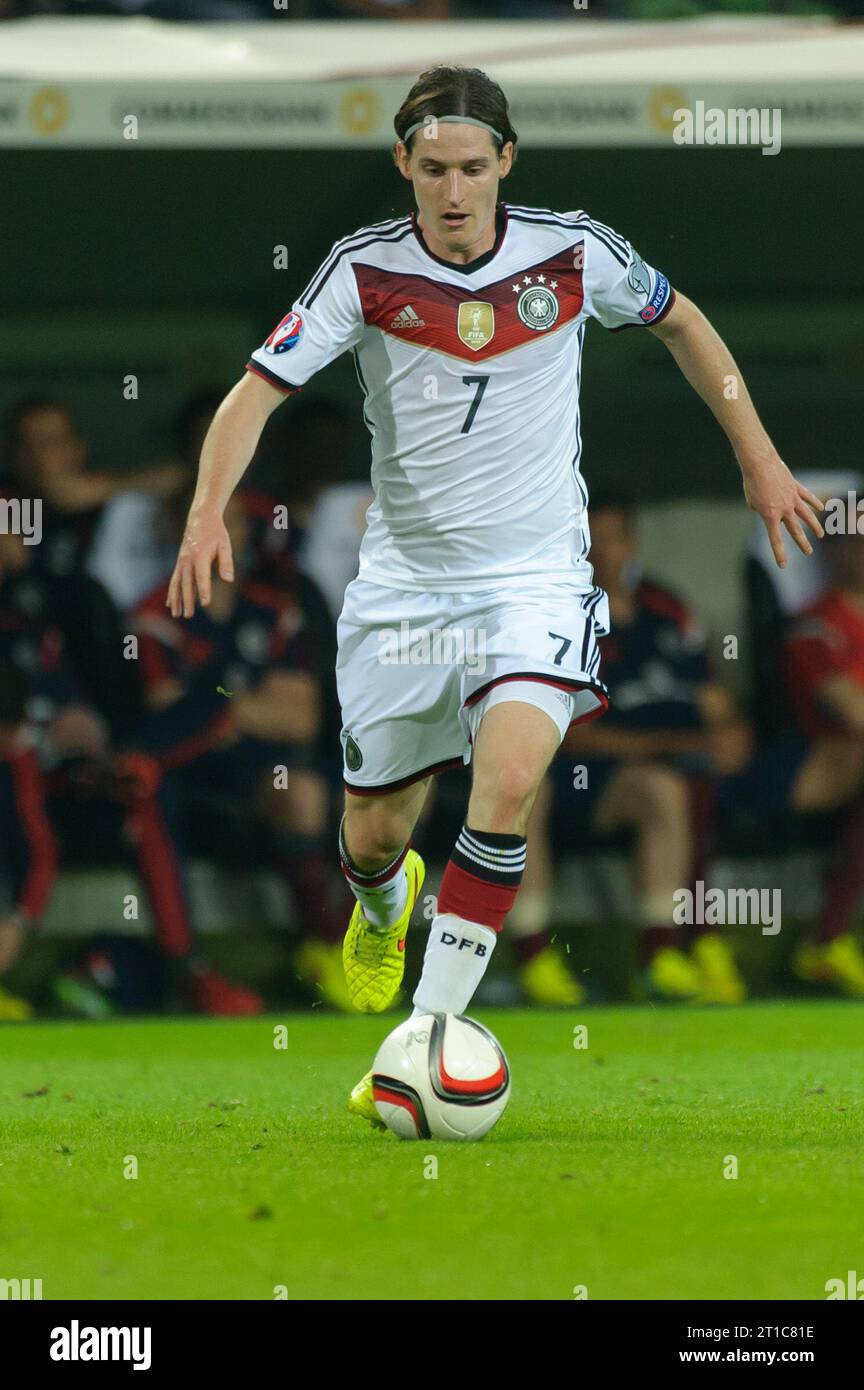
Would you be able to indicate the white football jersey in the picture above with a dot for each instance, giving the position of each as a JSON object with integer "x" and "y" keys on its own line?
{"x": 470, "y": 375}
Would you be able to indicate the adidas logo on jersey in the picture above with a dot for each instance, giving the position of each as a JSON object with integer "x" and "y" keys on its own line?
{"x": 407, "y": 318}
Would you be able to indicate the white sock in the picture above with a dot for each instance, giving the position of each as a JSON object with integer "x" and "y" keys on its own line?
{"x": 384, "y": 894}
{"x": 457, "y": 954}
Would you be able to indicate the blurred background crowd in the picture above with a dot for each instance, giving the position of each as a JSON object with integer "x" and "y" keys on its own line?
{"x": 128, "y": 738}
{"x": 170, "y": 792}
{"x": 250, "y": 10}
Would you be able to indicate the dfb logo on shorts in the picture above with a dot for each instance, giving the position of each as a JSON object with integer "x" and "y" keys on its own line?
{"x": 353, "y": 756}
{"x": 448, "y": 939}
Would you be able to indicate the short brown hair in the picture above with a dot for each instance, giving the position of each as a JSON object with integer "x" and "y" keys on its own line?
{"x": 455, "y": 91}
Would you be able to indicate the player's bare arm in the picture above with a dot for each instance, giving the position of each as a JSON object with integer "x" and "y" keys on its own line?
{"x": 228, "y": 448}
{"x": 769, "y": 487}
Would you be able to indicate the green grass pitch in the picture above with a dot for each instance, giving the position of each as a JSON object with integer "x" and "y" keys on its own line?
{"x": 607, "y": 1171}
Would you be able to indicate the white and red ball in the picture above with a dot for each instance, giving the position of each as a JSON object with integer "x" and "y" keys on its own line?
{"x": 440, "y": 1076}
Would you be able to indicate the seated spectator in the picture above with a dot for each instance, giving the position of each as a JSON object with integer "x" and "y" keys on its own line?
{"x": 303, "y": 451}
{"x": 825, "y": 772}
{"x": 646, "y": 766}
{"x": 60, "y": 771}
{"x": 28, "y": 851}
{"x": 46, "y": 457}
{"x": 131, "y": 549}
{"x": 236, "y": 705}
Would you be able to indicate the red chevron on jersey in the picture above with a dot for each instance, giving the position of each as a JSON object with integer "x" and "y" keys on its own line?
{"x": 474, "y": 326}
{"x": 475, "y": 467}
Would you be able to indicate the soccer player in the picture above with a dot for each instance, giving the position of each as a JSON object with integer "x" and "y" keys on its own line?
{"x": 466, "y": 320}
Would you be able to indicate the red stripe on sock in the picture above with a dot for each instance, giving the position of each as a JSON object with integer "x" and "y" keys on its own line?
{"x": 467, "y": 896}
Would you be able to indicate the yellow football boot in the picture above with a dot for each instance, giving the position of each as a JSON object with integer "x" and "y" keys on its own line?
{"x": 672, "y": 975}
{"x": 546, "y": 981}
{"x": 13, "y": 1009}
{"x": 721, "y": 981}
{"x": 360, "y": 1102}
{"x": 374, "y": 957}
{"x": 319, "y": 963}
{"x": 839, "y": 963}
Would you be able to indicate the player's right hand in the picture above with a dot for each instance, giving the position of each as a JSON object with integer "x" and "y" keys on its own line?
{"x": 205, "y": 543}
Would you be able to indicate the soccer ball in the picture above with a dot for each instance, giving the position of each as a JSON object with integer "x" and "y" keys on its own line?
{"x": 440, "y": 1076}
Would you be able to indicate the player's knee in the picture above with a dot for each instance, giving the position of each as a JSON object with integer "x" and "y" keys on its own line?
{"x": 376, "y": 836}
{"x": 508, "y": 791}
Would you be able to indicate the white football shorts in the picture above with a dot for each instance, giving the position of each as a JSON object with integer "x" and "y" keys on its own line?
{"x": 415, "y": 671}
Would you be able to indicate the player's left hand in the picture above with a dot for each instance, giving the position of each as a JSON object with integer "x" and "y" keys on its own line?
{"x": 772, "y": 491}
